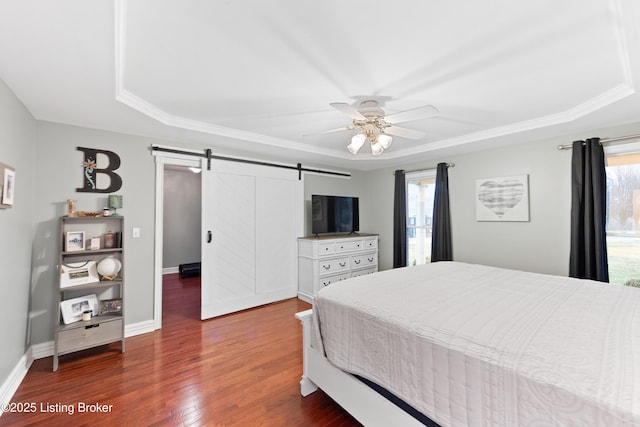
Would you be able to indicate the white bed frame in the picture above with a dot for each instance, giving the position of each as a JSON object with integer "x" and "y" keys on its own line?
{"x": 362, "y": 402}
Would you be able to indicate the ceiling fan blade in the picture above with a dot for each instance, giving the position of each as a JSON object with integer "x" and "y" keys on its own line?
{"x": 348, "y": 110}
{"x": 424, "y": 112}
{"x": 404, "y": 132}
{"x": 342, "y": 129}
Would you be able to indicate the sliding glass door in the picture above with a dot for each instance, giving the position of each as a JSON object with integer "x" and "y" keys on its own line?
{"x": 420, "y": 193}
{"x": 623, "y": 218}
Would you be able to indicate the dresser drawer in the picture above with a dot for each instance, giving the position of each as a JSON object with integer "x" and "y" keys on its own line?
{"x": 370, "y": 244}
{"x": 88, "y": 336}
{"x": 369, "y": 270}
{"x": 333, "y": 266}
{"x": 354, "y": 245}
{"x": 364, "y": 261}
{"x": 323, "y": 260}
{"x": 326, "y": 281}
{"x": 326, "y": 249}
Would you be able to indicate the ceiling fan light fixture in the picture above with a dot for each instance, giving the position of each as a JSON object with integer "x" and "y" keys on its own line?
{"x": 376, "y": 128}
{"x": 376, "y": 149}
{"x": 385, "y": 140}
{"x": 357, "y": 141}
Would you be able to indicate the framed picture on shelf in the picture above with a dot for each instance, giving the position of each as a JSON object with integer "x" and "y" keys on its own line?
{"x": 94, "y": 243}
{"x": 78, "y": 273}
{"x": 73, "y": 308}
{"x": 74, "y": 241}
{"x": 111, "y": 307}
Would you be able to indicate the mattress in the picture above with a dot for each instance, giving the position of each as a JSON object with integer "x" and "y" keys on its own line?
{"x": 472, "y": 345}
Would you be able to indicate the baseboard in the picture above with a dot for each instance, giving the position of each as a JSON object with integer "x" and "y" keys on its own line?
{"x": 139, "y": 328}
{"x": 42, "y": 350}
{"x": 171, "y": 270}
{"x": 11, "y": 384}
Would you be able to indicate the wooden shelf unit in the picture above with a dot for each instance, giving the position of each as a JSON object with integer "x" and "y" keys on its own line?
{"x": 100, "y": 329}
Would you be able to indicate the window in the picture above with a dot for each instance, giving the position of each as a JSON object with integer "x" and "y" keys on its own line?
{"x": 623, "y": 217}
{"x": 420, "y": 193}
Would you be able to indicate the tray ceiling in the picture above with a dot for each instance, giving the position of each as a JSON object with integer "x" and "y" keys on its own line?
{"x": 258, "y": 77}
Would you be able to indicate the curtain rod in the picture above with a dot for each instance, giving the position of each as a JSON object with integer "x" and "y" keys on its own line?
{"x": 209, "y": 156}
{"x": 603, "y": 141}
{"x": 449, "y": 165}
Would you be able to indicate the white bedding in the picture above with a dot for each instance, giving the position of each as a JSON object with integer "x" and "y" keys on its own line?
{"x": 472, "y": 345}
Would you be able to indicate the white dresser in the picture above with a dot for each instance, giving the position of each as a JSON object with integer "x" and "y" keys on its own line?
{"x": 328, "y": 259}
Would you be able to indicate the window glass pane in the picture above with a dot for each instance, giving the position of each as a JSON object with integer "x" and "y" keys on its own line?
{"x": 623, "y": 218}
{"x": 420, "y": 193}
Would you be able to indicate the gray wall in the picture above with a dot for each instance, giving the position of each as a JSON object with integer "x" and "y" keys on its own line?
{"x": 182, "y": 217}
{"x": 17, "y": 148}
{"x": 334, "y": 186}
{"x": 58, "y": 174}
{"x": 541, "y": 244}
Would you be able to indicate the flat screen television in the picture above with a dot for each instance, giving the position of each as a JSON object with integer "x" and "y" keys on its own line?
{"x": 334, "y": 214}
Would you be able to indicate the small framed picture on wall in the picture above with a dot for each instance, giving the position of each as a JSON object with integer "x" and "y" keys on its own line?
{"x": 8, "y": 176}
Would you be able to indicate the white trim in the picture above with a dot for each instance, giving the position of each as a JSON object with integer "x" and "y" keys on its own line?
{"x": 164, "y": 158}
{"x": 13, "y": 381}
{"x": 426, "y": 173}
{"x": 170, "y": 270}
{"x": 42, "y": 350}
{"x": 597, "y": 102}
{"x": 139, "y": 328}
{"x": 45, "y": 349}
{"x": 158, "y": 241}
{"x": 621, "y": 149}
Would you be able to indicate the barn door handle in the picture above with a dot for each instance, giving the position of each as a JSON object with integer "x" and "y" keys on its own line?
{"x": 209, "y": 236}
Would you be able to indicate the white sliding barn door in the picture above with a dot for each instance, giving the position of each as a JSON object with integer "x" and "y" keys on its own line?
{"x": 251, "y": 218}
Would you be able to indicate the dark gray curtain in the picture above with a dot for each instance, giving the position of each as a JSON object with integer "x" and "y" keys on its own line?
{"x": 399, "y": 221}
{"x": 588, "y": 257}
{"x": 441, "y": 249}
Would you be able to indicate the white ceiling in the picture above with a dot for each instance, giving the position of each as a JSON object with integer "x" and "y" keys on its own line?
{"x": 258, "y": 76}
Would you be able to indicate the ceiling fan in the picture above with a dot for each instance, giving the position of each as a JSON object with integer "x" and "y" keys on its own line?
{"x": 373, "y": 126}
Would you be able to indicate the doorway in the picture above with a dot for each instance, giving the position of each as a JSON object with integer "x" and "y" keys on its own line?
{"x": 162, "y": 162}
{"x": 269, "y": 203}
{"x": 181, "y": 252}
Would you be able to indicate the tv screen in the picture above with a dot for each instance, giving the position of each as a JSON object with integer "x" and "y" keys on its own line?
{"x": 334, "y": 214}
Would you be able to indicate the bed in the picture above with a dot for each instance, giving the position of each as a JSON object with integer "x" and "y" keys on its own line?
{"x": 472, "y": 345}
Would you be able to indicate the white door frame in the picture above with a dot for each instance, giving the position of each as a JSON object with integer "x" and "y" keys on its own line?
{"x": 162, "y": 159}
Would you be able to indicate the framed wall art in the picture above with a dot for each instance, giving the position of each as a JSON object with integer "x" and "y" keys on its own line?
{"x": 503, "y": 199}
{"x": 8, "y": 177}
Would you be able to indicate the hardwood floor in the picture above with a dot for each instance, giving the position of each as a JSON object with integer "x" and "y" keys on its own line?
{"x": 241, "y": 369}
